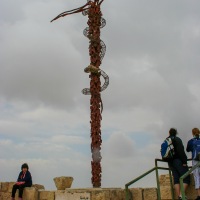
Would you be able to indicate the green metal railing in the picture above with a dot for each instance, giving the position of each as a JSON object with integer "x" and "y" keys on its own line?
{"x": 185, "y": 175}
{"x": 156, "y": 168}
{"x": 157, "y": 179}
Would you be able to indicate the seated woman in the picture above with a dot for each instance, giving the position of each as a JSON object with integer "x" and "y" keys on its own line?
{"x": 24, "y": 180}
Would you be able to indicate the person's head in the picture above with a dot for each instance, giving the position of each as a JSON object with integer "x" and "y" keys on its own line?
{"x": 24, "y": 167}
{"x": 173, "y": 132}
{"x": 195, "y": 132}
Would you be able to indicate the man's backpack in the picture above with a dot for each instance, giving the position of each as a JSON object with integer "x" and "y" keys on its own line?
{"x": 196, "y": 149}
{"x": 167, "y": 149}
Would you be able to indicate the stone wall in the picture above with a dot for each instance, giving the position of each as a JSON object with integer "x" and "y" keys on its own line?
{"x": 30, "y": 193}
{"x": 37, "y": 192}
{"x": 165, "y": 188}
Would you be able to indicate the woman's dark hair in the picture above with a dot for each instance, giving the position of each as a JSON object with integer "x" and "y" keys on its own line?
{"x": 172, "y": 132}
{"x": 25, "y": 165}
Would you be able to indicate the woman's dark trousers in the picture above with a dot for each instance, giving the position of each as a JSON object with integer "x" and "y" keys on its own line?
{"x": 20, "y": 187}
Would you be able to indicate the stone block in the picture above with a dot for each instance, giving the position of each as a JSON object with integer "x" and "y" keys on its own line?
{"x": 4, "y": 186}
{"x": 46, "y": 195}
{"x": 10, "y": 186}
{"x": 136, "y": 193}
{"x": 78, "y": 196}
{"x": 60, "y": 195}
{"x": 5, "y": 196}
{"x": 150, "y": 194}
{"x": 38, "y": 186}
{"x": 99, "y": 195}
{"x": 63, "y": 182}
{"x": 94, "y": 194}
{"x": 165, "y": 192}
{"x": 164, "y": 180}
{"x": 118, "y": 194}
{"x": 30, "y": 193}
{"x": 73, "y": 195}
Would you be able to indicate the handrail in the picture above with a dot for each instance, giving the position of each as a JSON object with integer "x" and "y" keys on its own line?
{"x": 143, "y": 175}
{"x": 185, "y": 175}
{"x": 133, "y": 181}
{"x": 157, "y": 179}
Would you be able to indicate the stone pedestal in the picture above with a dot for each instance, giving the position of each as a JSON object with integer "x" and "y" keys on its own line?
{"x": 63, "y": 182}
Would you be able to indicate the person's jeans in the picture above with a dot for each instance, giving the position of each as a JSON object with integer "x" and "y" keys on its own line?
{"x": 20, "y": 188}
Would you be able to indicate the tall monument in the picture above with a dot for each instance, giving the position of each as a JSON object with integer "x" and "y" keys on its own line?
{"x": 97, "y": 50}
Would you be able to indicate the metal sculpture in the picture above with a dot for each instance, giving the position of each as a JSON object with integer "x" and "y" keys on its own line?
{"x": 97, "y": 50}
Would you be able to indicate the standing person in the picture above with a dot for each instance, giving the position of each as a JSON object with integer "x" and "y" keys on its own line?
{"x": 178, "y": 164}
{"x": 192, "y": 146}
{"x": 24, "y": 180}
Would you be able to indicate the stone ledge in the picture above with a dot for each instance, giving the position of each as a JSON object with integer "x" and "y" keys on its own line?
{"x": 38, "y": 192}
{"x": 91, "y": 194}
{"x": 30, "y": 193}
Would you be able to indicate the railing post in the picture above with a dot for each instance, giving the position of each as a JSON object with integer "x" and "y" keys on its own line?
{"x": 171, "y": 184}
{"x": 127, "y": 192}
{"x": 157, "y": 180}
{"x": 182, "y": 188}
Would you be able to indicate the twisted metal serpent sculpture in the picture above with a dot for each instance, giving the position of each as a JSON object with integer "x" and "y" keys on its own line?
{"x": 97, "y": 50}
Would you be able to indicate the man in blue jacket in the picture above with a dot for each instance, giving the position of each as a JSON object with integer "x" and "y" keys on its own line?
{"x": 178, "y": 164}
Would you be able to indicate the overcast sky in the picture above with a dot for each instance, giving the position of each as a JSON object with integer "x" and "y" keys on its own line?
{"x": 152, "y": 59}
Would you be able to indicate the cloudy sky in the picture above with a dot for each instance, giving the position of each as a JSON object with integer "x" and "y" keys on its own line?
{"x": 152, "y": 59}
